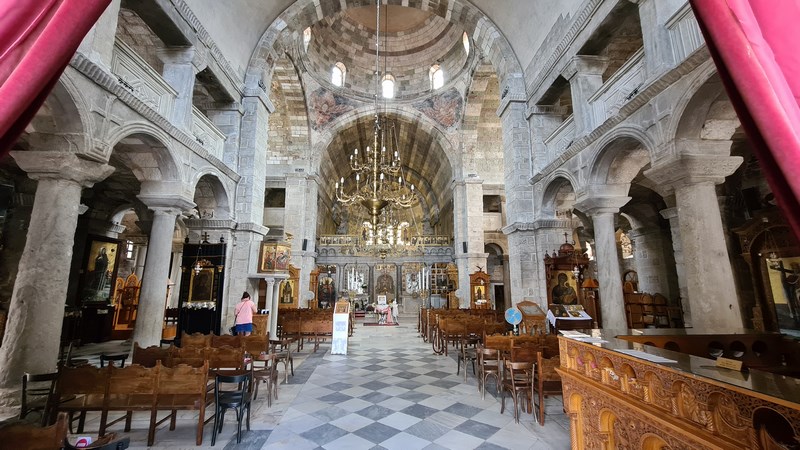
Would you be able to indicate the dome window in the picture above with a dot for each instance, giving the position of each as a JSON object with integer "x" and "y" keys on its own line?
{"x": 465, "y": 41}
{"x": 338, "y": 73}
{"x": 387, "y": 86}
{"x": 436, "y": 75}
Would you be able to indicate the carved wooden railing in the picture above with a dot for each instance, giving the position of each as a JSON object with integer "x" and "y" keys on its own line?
{"x": 616, "y": 400}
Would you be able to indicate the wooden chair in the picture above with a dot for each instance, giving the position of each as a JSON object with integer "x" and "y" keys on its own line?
{"x": 468, "y": 352}
{"x": 282, "y": 348}
{"x": 25, "y": 436}
{"x": 37, "y": 395}
{"x": 519, "y": 384}
{"x": 546, "y": 380}
{"x": 265, "y": 369}
{"x": 238, "y": 399}
{"x": 488, "y": 367}
{"x": 120, "y": 359}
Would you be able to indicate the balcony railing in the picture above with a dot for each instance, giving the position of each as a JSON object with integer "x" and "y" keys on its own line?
{"x": 684, "y": 33}
{"x": 208, "y": 135}
{"x": 141, "y": 80}
{"x": 618, "y": 90}
{"x": 560, "y": 139}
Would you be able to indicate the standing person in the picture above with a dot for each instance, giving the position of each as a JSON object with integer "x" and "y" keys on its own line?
{"x": 244, "y": 315}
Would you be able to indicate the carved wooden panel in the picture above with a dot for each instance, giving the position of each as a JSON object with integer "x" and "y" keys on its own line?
{"x": 622, "y": 402}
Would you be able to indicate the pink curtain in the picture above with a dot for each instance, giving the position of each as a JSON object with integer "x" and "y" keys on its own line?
{"x": 754, "y": 44}
{"x": 37, "y": 40}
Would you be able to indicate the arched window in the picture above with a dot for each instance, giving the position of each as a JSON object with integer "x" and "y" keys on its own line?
{"x": 436, "y": 75}
{"x": 465, "y": 41}
{"x": 306, "y": 38}
{"x": 387, "y": 86}
{"x": 338, "y": 73}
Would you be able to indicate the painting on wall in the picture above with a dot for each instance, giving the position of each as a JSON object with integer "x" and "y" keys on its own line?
{"x": 561, "y": 288}
{"x": 274, "y": 257}
{"x": 99, "y": 270}
{"x": 784, "y": 281}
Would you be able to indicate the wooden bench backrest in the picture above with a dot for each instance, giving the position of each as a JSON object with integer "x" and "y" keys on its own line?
{"x": 182, "y": 379}
{"x": 23, "y": 436}
{"x": 225, "y": 340}
{"x": 226, "y": 358}
{"x": 134, "y": 379}
{"x": 81, "y": 380}
{"x": 255, "y": 344}
{"x": 195, "y": 340}
{"x": 147, "y": 357}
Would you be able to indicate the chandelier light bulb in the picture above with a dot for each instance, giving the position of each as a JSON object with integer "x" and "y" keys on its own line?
{"x": 358, "y": 176}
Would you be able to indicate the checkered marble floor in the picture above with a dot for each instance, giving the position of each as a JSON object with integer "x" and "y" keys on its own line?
{"x": 389, "y": 392}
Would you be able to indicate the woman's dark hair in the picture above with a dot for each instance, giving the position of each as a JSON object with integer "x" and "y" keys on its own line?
{"x": 246, "y": 294}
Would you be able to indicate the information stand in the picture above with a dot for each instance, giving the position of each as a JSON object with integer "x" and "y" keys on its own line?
{"x": 341, "y": 325}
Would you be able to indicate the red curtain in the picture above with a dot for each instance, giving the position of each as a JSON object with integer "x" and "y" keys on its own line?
{"x": 37, "y": 40}
{"x": 754, "y": 44}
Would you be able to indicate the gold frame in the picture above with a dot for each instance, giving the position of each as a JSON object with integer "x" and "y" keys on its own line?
{"x": 209, "y": 271}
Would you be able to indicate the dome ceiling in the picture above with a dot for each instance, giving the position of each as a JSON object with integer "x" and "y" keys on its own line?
{"x": 415, "y": 40}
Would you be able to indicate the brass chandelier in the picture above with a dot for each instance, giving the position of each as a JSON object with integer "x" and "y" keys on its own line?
{"x": 378, "y": 170}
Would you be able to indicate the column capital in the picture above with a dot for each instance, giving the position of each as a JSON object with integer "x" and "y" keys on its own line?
{"x": 41, "y": 165}
{"x": 166, "y": 204}
{"x": 585, "y": 65}
{"x": 595, "y": 206}
{"x": 669, "y": 213}
{"x": 693, "y": 169}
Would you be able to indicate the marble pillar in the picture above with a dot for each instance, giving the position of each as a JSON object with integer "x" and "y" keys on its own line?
{"x": 602, "y": 203}
{"x": 273, "y": 308}
{"x": 152, "y": 297}
{"x": 612, "y": 303}
{"x": 585, "y": 76}
{"x": 651, "y": 262}
{"x": 32, "y": 337}
{"x": 671, "y": 214}
{"x": 710, "y": 284}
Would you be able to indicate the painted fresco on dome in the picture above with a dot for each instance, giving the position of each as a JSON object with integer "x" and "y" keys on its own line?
{"x": 327, "y": 106}
{"x": 445, "y": 108}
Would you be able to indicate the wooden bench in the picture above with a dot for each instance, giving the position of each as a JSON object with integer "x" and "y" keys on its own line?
{"x": 134, "y": 388}
{"x": 24, "y": 436}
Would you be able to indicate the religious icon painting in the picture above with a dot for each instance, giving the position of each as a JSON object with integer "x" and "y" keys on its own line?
{"x": 99, "y": 270}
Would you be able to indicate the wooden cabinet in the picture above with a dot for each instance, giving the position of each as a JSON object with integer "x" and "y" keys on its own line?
{"x": 479, "y": 290}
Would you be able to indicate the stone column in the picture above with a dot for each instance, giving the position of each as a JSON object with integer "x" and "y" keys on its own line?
{"x": 671, "y": 214}
{"x": 98, "y": 44}
{"x": 709, "y": 275}
{"x": 36, "y": 312}
{"x": 468, "y": 218}
{"x": 179, "y": 72}
{"x": 651, "y": 261}
{"x": 517, "y": 166}
{"x": 585, "y": 76}
{"x": 152, "y": 297}
{"x": 273, "y": 308}
{"x": 602, "y": 211}
{"x": 301, "y": 193}
{"x": 141, "y": 260}
{"x": 228, "y": 119}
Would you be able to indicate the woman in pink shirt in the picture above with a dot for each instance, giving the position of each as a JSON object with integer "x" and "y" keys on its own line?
{"x": 244, "y": 316}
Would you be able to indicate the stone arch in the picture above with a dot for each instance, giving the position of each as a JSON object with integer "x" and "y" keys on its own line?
{"x": 64, "y": 111}
{"x": 288, "y": 126}
{"x": 653, "y": 442}
{"x": 288, "y": 28}
{"x": 620, "y": 156}
{"x": 555, "y": 187}
{"x": 211, "y": 194}
{"x": 146, "y": 151}
{"x": 691, "y": 99}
